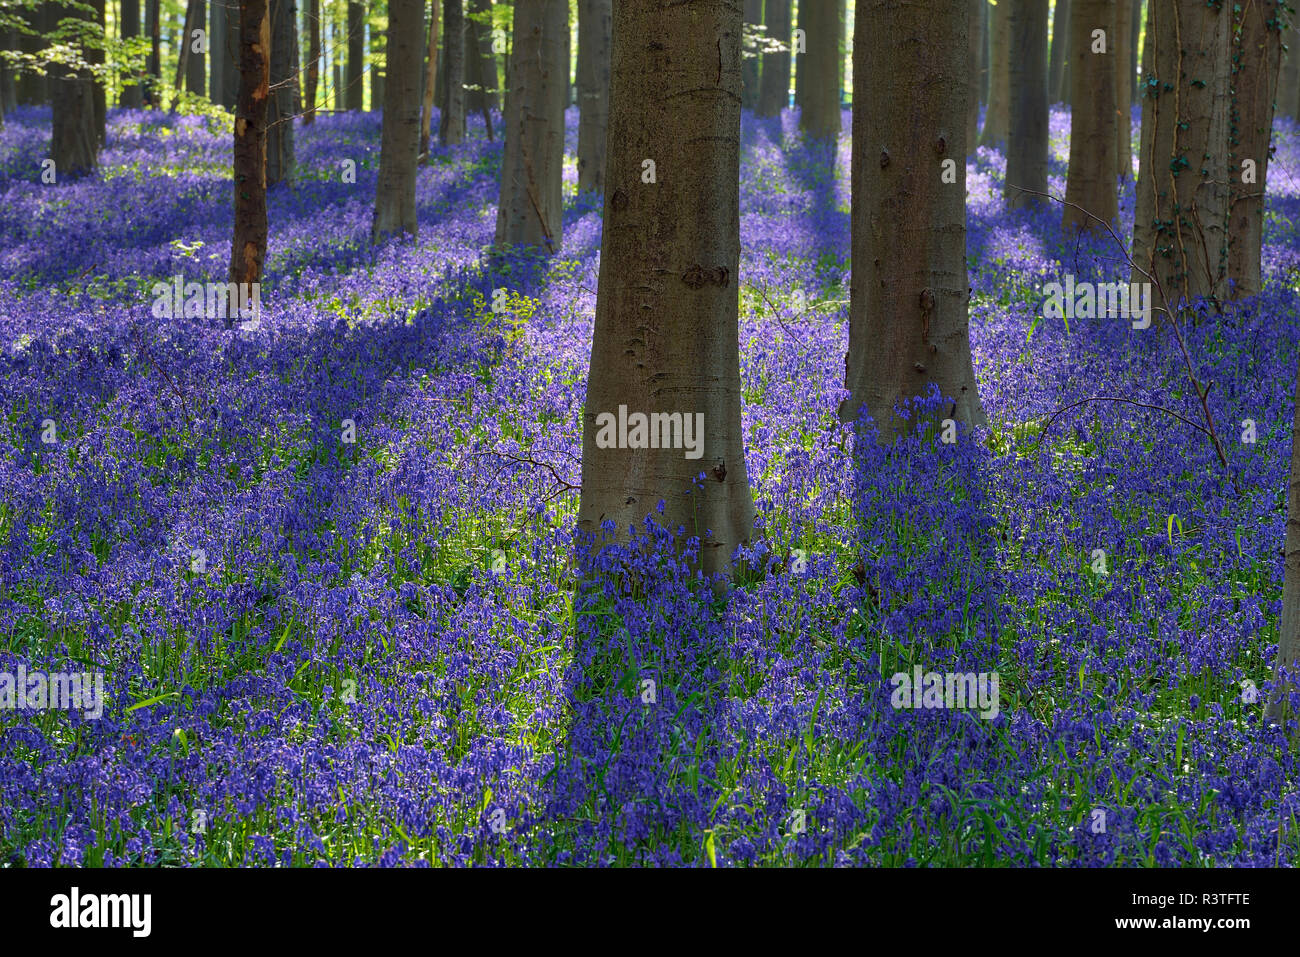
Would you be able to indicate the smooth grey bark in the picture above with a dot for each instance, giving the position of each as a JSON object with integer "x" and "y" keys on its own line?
{"x": 430, "y": 79}
{"x": 1180, "y": 227}
{"x": 451, "y": 126}
{"x": 774, "y": 87}
{"x": 819, "y": 116}
{"x": 1057, "y": 91}
{"x": 73, "y": 141}
{"x": 1256, "y": 58}
{"x": 1288, "y": 645}
{"x": 530, "y": 205}
{"x": 974, "y": 54}
{"x": 666, "y": 336}
{"x": 311, "y": 71}
{"x": 216, "y": 49}
{"x": 595, "y": 21}
{"x": 1124, "y": 82}
{"x": 1091, "y": 185}
{"x": 908, "y": 322}
{"x": 753, "y": 17}
{"x": 400, "y": 132}
{"x": 354, "y": 92}
{"x": 997, "y": 118}
{"x": 1027, "y": 141}
{"x": 285, "y": 102}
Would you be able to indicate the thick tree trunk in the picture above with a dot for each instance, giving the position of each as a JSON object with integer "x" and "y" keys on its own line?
{"x": 774, "y": 89}
{"x": 1124, "y": 80}
{"x": 74, "y": 141}
{"x": 1180, "y": 228}
{"x": 908, "y": 326}
{"x": 973, "y": 55}
{"x": 666, "y": 340}
{"x": 430, "y": 73}
{"x": 753, "y": 14}
{"x": 284, "y": 103}
{"x": 1256, "y": 57}
{"x": 1288, "y": 92}
{"x": 400, "y": 134}
{"x": 1288, "y": 644}
{"x": 132, "y": 97}
{"x": 1092, "y": 182}
{"x": 480, "y": 67}
{"x": 248, "y": 248}
{"x": 594, "y": 25}
{"x": 997, "y": 119}
{"x": 529, "y": 210}
{"x": 451, "y": 128}
{"x": 1057, "y": 91}
{"x": 1027, "y": 142}
{"x": 354, "y": 94}
{"x": 313, "y": 60}
{"x": 820, "y": 116}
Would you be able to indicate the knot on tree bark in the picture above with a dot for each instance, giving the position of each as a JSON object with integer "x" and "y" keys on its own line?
{"x": 699, "y": 276}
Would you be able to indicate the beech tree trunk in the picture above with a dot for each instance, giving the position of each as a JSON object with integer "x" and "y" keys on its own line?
{"x": 997, "y": 118}
{"x": 354, "y": 92}
{"x": 1256, "y": 58}
{"x": 1288, "y": 643}
{"x": 132, "y": 97}
{"x": 1092, "y": 182}
{"x": 819, "y": 74}
{"x": 33, "y": 90}
{"x": 377, "y": 71}
{"x": 196, "y": 71}
{"x": 216, "y": 49}
{"x": 753, "y": 14}
{"x": 153, "y": 90}
{"x": 973, "y": 64}
{"x": 430, "y": 76}
{"x": 1124, "y": 81}
{"x": 74, "y": 141}
{"x": 248, "y": 248}
{"x": 1288, "y": 93}
{"x": 313, "y": 60}
{"x": 530, "y": 206}
{"x": 1180, "y": 228}
{"x": 666, "y": 337}
{"x": 8, "y": 88}
{"x": 99, "y": 93}
{"x": 1057, "y": 91}
{"x": 451, "y": 128}
{"x": 774, "y": 91}
{"x": 400, "y": 133}
{"x": 595, "y": 18}
{"x": 285, "y": 102}
{"x": 1027, "y": 142}
{"x": 908, "y": 327}
{"x": 480, "y": 66}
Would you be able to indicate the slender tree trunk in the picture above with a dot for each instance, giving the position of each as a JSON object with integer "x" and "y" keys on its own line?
{"x": 997, "y": 119}
{"x": 974, "y": 51}
{"x": 216, "y": 49}
{"x": 153, "y": 89}
{"x": 451, "y": 129}
{"x": 753, "y": 14}
{"x": 529, "y": 210}
{"x": 377, "y": 71}
{"x": 74, "y": 140}
{"x": 1124, "y": 80}
{"x": 1135, "y": 36}
{"x": 8, "y": 88}
{"x": 400, "y": 134}
{"x": 1288, "y": 645}
{"x": 908, "y": 325}
{"x": 666, "y": 338}
{"x": 129, "y": 26}
{"x": 99, "y": 92}
{"x": 430, "y": 73}
{"x": 1092, "y": 182}
{"x": 195, "y": 63}
{"x": 774, "y": 91}
{"x": 1027, "y": 142}
{"x": 594, "y": 25}
{"x": 1288, "y": 93}
{"x": 248, "y": 248}
{"x": 1256, "y": 57}
{"x": 31, "y": 89}
{"x": 354, "y": 94}
{"x": 480, "y": 69}
{"x": 313, "y": 59}
{"x": 1057, "y": 91}
{"x": 1180, "y": 228}
{"x": 986, "y": 70}
{"x": 284, "y": 103}
{"x": 820, "y": 116}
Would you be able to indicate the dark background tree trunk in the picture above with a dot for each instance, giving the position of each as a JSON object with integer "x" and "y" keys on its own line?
{"x": 594, "y": 25}
{"x": 774, "y": 89}
{"x": 74, "y": 141}
{"x": 313, "y": 59}
{"x": 1057, "y": 91}
{"x": 819, "y": 75}
{"x": 997, "y": 119}
{"x": 132, "y": 96}
{"x": 1092, "y": 181}
{"x": 248, "y": 248}
{"x": 451, "y": 128}
{"x": 400, "y": 133}
{"x": 429, "y": 81}
{"x": 1027, "y": 139}
{"x": 284, "y": 103}
{"x": 753, "y": 14}
{"x": 355, "y": 88}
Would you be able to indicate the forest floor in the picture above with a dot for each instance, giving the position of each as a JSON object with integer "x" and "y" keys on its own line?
{"x": 322, "y": 650}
